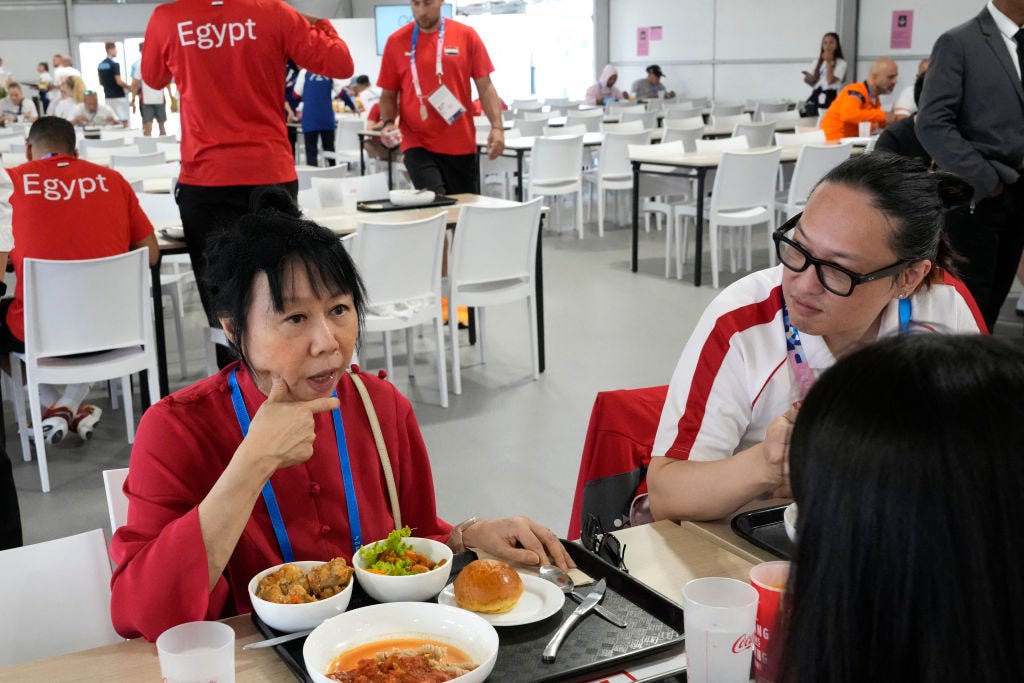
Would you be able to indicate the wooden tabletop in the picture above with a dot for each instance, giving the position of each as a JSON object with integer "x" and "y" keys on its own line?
{"x": 720, "y": 532}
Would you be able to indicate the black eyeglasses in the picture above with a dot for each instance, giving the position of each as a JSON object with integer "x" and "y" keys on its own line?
{"x": 833, "y": 277}
{"x": 602, "y": 544}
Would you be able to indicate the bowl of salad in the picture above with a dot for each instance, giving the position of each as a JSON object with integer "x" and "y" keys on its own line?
{"x": 403, "y": 568}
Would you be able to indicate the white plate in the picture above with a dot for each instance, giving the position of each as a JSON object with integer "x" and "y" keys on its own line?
{"x": 175, "y": 233}
{"x": 410, "y": 197}
{"x": 540, "y": 600}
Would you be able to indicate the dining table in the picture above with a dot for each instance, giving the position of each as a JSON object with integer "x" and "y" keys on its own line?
{"x": 663, "y": 555}
{"x": 687, "y": 167}
{"x": 342, "y": 222}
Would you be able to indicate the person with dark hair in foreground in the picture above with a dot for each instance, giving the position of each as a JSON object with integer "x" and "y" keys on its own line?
{"x": 866, "y": 259}
{"x": 290, "y": 300}
{"x": 907, "y": 470}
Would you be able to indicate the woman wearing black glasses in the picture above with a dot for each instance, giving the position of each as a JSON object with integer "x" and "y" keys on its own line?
{"x": 866, "y": 259}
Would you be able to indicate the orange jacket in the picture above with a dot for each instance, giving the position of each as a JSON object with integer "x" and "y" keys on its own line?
{"x": 852, "y": 105}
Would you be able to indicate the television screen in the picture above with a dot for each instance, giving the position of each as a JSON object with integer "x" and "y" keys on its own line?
{"x": 390, "y": 18}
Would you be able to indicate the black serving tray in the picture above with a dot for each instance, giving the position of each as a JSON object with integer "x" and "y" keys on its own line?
{"x": 765, "y": 529}
{"x": 655, "y": 624}
{"x": 378, "y": 205}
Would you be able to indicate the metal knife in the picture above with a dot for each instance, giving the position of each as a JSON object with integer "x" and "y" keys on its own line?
{"x": 589, "y": 603}
{"x": 277, "y": 641}
{"x": 600, "y": 611}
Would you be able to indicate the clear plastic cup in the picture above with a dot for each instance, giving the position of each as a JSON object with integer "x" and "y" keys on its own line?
{"x": 769, "y": 580}
{"x": 864, "y": 129}
{"x": 718, "y": 617}
{"x": 197, "y": 652}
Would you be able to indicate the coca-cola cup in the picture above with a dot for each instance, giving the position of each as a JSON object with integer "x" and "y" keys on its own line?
{"x": 769, "y": 580}
{"x": 718, "y": 617}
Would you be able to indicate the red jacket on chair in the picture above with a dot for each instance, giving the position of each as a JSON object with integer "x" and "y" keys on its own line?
{"x": 616, "y": 453}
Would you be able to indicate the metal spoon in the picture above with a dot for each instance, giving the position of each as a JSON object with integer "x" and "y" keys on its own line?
{"x": 550, "y": 572}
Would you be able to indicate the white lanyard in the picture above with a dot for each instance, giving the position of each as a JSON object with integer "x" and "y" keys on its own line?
{"x": 437, "y": 64}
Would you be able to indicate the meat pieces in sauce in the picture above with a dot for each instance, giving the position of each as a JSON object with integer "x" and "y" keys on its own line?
{"x": 289, "y": 586}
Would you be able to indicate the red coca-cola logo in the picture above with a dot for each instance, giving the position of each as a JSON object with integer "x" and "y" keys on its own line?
{"x": 744, "y": 642}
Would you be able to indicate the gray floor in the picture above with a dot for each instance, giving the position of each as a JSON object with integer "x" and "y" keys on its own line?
{"x": 508, "y": 445}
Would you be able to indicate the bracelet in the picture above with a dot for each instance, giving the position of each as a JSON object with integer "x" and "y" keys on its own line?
{"x": 455, "y": 540}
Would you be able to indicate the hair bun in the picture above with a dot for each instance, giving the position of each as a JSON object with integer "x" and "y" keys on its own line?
{"x": 273, "y": 197}
{"x": 953, "y": 190}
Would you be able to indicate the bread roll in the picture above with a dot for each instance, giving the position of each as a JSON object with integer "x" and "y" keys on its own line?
{"x": 488, "y": 586}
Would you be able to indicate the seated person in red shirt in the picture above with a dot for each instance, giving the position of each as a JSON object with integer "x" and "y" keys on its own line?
{"x": 62, "y": 207}
{"x": 290, "y": 301}
{"x": 107, "y": 221}
{"x": 858, "y": 102}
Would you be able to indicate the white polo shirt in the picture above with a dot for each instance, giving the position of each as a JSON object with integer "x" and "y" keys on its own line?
{"x": 733, "y": 378}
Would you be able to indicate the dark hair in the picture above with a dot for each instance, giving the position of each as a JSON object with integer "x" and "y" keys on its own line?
{"x": 269, "y": 239}
{"x": 45, "y": 65}
{"x": 906, "y": 462}
{"x": 109, "y": 45}
{"x": 838, "y": 53}
{"x": 54, "y": 133}
{"x": 362, "y": 79}
{"x": 913, "y": 198}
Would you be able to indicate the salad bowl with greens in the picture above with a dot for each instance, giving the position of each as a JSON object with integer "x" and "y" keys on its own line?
{"x": 403, "y": 568}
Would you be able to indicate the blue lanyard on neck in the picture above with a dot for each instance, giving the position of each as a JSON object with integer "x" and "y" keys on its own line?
{"x": 242, "y": 415}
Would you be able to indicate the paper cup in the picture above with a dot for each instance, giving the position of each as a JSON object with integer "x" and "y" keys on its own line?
{"x": 769, "y": 580}
{"x": 718, "y": 617}
{"x": 197, "y": 652}
{"x": 864, "y": 129}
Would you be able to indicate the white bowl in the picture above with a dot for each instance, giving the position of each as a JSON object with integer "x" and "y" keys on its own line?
{"x": 411, "y": 197}
{"x": 789, "y": 519}
{"x": 464, "y": 630}
{"x": 411, "y": 588}
{"x": 299, "y": 617}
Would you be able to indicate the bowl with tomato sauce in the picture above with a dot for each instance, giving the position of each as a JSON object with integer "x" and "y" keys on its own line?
{"x": 425, "y": 640}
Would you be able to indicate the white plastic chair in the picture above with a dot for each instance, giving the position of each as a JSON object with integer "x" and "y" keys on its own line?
{"x": 86, "y": 144}
{"x": 346, "y": 141}
{"x": 647, "y": 118}
{"x": 743, "y": 195}
{"x": 591, "y": 118}
{"x": 626, "y": 127}
{"x": 170, "y": 171}
{"x": 103, "y": 155}
{"x": 757, "y": 134}
{"x": 309, "y": 200}
{"x": 614, "y": 171}
{"x": 493, "y": 260}
{"x": 575, "y": 129}
{"x": 787, "y": 115}
{"x": 57, "y": 598}
{"x": 534, "y": 115}
{"x": 768, "y": 107}
{"x": 98, "y": 307}
{"x": 400, "y": 264}
{"x": 556, "y": 168}
{"x": 682, "y": 110}
{"x": 306, "y": 173}
{"x": 117, "y": 502}
{"x": 530, "y": 128}
{"x": 175, "y": 269}
{"x": 814, "y": 137}
{"x": 720, "y": 109}
{"x": 332, "y": 191}
{"x": 811, "y": 166}
{"x": 695, "y": 121}
{"x": 119, "y": 161}
{"x": 625, "y": 107}
{"x": 729, "y": 120}
{"x": 526, "y": 105}
{"x": 660, "y": 187}
{"x": 722, "y": 145}
{"x": 688, "y": 136}
{"x": 12, "y": 159}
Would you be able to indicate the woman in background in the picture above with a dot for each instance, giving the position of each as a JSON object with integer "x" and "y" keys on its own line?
{"x": 826, "y": 75}
{"x": 604, "y": 90}
{"x": 906, "y": 464}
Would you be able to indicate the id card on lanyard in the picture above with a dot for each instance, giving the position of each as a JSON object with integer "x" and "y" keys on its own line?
{"x": 270, "y": 499}
{"x": 797, "y": 359}
{"x": 442, "y": 99}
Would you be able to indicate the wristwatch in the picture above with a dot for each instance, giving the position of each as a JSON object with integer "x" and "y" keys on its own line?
{"x": 455, "y": 540}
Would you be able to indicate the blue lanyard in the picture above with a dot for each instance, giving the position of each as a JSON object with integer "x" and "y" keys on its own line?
{"x": 795, "y": 350}
{"x": 242, "y": 415}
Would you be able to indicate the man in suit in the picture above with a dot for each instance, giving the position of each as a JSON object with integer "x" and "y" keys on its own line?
{"x": 971, "y": 121}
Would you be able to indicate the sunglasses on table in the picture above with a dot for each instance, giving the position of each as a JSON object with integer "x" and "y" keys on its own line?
{"x": 602, "y": 544}
{"x": 832, "y": 276}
